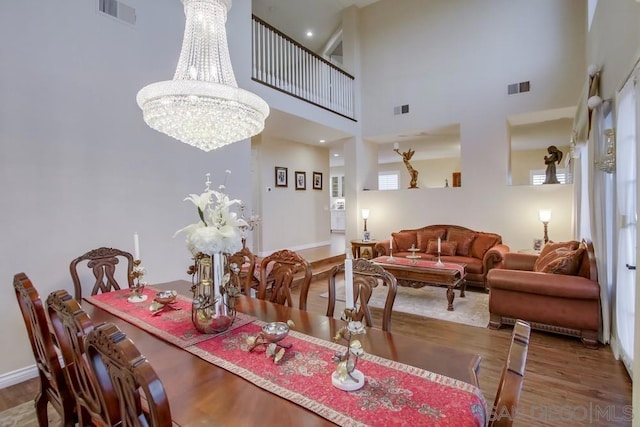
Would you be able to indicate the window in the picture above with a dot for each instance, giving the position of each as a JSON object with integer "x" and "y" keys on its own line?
{"x": 537, "y": 177}
{"x": 388, "y": 180}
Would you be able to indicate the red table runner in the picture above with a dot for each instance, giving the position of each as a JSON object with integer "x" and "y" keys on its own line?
{"x": 419, "y": 263}
{"x": 393, "y": 394}
{"x": 173, "y": 326}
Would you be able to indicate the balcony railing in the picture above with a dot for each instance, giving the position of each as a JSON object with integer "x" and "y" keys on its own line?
{"x": 284, "y": 64}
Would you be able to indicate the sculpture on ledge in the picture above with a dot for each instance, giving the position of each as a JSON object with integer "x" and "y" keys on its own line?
{"x": 406, "y": 156}
{"x": 555, "y": 156}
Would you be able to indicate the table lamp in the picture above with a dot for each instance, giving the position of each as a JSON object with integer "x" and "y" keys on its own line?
{"x": 545, "y": 217}
{"x": 365, "y": 215}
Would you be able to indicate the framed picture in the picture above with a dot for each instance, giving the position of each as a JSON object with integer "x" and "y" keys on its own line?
{"x": 317, "y": 180}
{"x": 301, "y": 180}
{"x": 281, "y": 176}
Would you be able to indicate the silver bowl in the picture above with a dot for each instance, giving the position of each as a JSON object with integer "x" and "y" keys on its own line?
{"x": 275, "y": 331}
{"x": 166, "y": 297}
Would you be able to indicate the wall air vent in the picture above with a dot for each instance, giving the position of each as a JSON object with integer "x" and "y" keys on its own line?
{"x": 401, "y": 109}
{"x": 514, "y": 88}
{"x": 118, "y": 10}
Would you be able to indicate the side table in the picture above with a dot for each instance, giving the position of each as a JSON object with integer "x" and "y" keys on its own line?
{"x": 357, "y": 245}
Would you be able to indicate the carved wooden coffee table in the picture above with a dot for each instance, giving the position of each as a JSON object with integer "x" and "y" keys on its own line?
{"x": 417, "y": 273}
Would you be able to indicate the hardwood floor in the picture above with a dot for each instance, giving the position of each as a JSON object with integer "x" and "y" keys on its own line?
{"x": 565, "y": 384}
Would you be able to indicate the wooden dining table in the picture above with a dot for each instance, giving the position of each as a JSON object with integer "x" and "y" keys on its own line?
{"x": 201, "y": 393}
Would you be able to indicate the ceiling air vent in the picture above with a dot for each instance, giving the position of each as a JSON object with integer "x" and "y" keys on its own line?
{"x": 401, "y": 109}
{"x": 118, "y": 10}
{"x": 514, "y": 88}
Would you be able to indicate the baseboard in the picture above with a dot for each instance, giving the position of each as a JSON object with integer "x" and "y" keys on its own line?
{"x": 298, "y": 248}
{"x": 18, "y": 376}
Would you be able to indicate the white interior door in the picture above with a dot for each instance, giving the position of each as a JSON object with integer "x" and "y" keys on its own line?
{"x": 626, "y": 189}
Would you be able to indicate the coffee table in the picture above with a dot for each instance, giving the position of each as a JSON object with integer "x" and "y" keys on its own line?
{"x": 417, "y": 273}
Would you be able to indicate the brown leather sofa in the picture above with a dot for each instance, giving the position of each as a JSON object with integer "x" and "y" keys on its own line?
{"x": 562, "y": 303}
{"x": 480, "y": 251}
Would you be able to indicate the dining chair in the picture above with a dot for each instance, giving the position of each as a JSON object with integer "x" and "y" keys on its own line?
{"x": 103, "y": 262}
{"x": 510, "y": 385}
{"x": 116, "y": 358}
{"x": 96, "y": 403}
{"x": 244, "y": 275}
{"x": 53, "y": 386}
{"x": 277, "y": 274}
{"x": 367, "y": 276}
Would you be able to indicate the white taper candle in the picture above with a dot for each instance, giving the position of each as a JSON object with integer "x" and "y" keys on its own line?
{"x": 136, "y": 246}
{"x": 438, "y": 245}
{"x": 348, "y": 279}
{"x": 391, "y": 243}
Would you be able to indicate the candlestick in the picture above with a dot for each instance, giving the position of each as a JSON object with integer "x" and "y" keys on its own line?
{"x": 348, "y": 279}
{"x": 136, "y": 246}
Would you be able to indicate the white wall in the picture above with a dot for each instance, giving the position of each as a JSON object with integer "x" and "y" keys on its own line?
{"x": 452, "y": 62}
{"x": 79, "y": 168}
{"x": 294, "y": 219}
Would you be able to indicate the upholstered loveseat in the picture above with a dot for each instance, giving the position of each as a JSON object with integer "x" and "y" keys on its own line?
{"x": 480, "y": 251}
{"x": 556, "y": 291}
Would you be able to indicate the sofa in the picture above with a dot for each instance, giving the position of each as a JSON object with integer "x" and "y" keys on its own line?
{"x": 480, "y": 251}
{"x": 557, "y": 291}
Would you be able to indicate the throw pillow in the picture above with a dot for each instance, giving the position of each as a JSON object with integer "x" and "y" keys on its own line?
{"x": 463, "y": 238}
{"x": 551, "y": 247}
{"x": 403, "y": 240}
{"x": 562, "y": 261}
{"x": 482, "y": 243}
{"x": 446, "y": 248}
{"x": 424, "y": 236}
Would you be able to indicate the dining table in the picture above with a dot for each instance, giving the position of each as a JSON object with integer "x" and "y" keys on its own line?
{"x": 205, "y": 389}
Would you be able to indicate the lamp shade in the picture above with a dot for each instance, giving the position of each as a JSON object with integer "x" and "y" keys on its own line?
{"x": 545, "y": 215}
{"x": 202, "y": 105}
{"x": 365, "y": 213}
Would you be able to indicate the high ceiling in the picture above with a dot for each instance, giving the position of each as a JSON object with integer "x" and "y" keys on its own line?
{"x": 296, "y": 18}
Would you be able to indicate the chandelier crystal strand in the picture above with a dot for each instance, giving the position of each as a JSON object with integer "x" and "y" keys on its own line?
{"x": 202, "y": 105}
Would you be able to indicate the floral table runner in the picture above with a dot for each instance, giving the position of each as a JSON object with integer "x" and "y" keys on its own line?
{"x": 172, "y": 325}
{"x": 426, "y": 263}
{"x": 393, "y": 394}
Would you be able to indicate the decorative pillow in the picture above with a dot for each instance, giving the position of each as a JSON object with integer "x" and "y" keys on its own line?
{"x": 464, "y": 240}
{"x": 561, "y": 261}
{"x": 446, "y": 248}
{"x": 550, "y": 247}
{"x": 404, "y": 240}
{"x": 482, "y": 243}
{"x": 424, "y": 236}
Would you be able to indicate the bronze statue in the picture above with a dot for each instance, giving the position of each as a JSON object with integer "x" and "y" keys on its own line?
{"x": 406, "y": 156}
{"x": 555, "y": 156}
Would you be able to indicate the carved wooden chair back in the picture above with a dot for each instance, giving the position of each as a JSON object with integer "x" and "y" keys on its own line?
{"x": 277, "y": 273}
{"x": 243, "y": 275}
{"x": 103, "y": 262}
{"x": 95, "y": 400}
{"x": 367, "y": 275}
{"x": 53, "y": 386}
{"x": 114, "y": 356}
{"x": 508, "y": 394}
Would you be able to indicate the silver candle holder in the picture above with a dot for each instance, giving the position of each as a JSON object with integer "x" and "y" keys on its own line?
{"x": 346, "y": 377}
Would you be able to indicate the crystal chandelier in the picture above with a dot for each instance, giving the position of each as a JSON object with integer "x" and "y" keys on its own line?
{"x": 203, "y": 106}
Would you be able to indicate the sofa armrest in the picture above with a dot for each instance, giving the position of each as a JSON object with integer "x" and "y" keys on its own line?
{"x": 555, "y": 285}
{"x": 518, "y": 261}
{"x": 494, "y": 257}
{"x": 382, "y": 248}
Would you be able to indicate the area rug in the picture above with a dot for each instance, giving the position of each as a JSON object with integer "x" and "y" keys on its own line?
{"x": 431, "y": 301}
{"x": 24, "y": 415}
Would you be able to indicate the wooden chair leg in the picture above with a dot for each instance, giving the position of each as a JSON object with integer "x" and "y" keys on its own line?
{"x": 41, "y": 408}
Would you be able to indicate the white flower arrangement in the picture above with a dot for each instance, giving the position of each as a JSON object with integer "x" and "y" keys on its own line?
{"x": 219, "y": 229}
